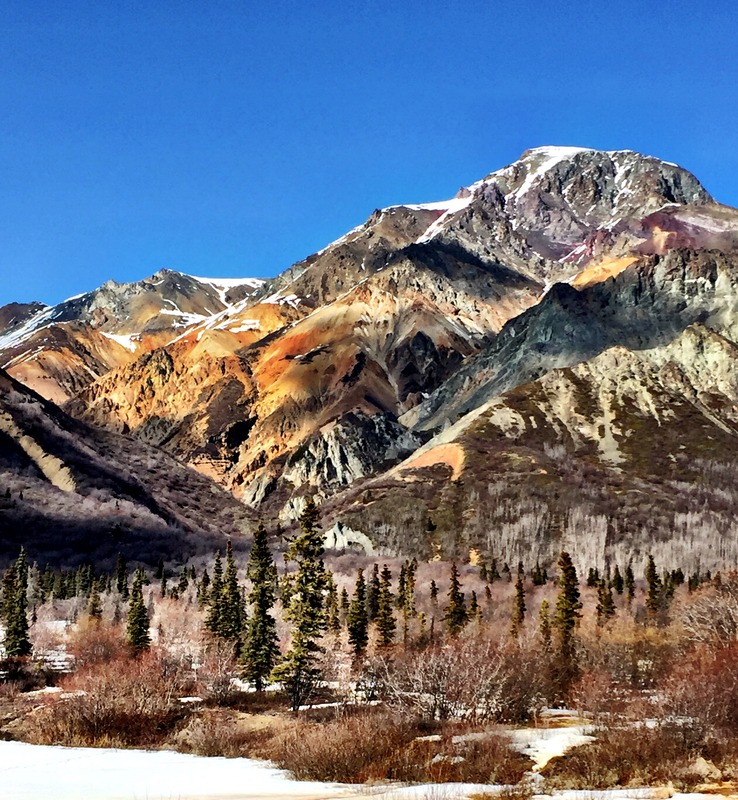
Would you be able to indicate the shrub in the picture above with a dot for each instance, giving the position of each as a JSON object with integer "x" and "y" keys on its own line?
{"x": 629, "y": 756}
{"x": 123, "y": 702}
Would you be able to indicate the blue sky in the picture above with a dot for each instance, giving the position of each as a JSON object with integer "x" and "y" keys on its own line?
{"x": 234, "y": 138}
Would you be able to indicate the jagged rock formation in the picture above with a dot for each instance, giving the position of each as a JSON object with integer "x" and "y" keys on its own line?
{"x": 546, "y": 358}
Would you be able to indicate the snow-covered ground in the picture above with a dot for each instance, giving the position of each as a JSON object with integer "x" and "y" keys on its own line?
{"x": 35, "y": 772}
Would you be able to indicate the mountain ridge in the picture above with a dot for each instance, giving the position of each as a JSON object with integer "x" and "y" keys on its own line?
{"x": 349, "y": 363}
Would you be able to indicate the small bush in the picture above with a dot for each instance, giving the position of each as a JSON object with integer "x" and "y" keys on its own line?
{"x": 629, "y": 757}
{"x": 377, "y": 745}
{"x": 125, "y": 702}
{"x": 215, "y": 733}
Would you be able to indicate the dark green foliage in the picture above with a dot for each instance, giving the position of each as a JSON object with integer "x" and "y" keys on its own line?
{"x": 261, "y": 650}
{"x": 333, "y": 619}
{"x": 299, "y": 671}
{"x": 654, "y": 589}
{"x": 605, "y": 603}
{"x": 593, "y": 577}
{"x": 629, "y": 583}
{"x": 385, "y": 620}
{"x": 137, "y": 630}
{"x": 493, "y": 573}
{"x": 230, "y": 621}
{"x": 434, "y": 593}
{"x": 357, "y": 621}
{"x": 519, "y": 609}
{"x": 15, "y": 608}
{"x": 455, "y": 614}
{"x": 94, "y": 605}
{"x": 539, "y": 576}
{"x": 215, "y": 596}
{"x": 565, "y": 622}
{"x": 372, "y": 594}
{"x": 121, "y": 576}
{"x": 345, "y": 603}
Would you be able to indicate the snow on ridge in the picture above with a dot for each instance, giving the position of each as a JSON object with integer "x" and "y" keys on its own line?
{"x": 230, "y": 283}
{"x": 40, "y": 319}
{"x": 127, "y": 340}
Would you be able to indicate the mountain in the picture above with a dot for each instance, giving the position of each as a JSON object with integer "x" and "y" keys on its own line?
{"x": 71, "y": 493}
{"x": 544, "y": 359}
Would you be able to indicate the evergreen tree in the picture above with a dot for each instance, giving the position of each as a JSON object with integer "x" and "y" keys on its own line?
{"x": 493, "y": 574}
{"x": 159, "y": 572}
{"x": 230, "y": 620}
{"x": 518, "y": 613}
{"x": 184, "y": 581}
{"x": 164, "y": 583}
{"x": 653, "y": 589}
{"x": 299, "y": 672}
{"x": 357, "y": 621}
{"x": 455, "y": 614}
{"x": 593, "y": 578}
{"x": 333, "y": 619}
{"x": 261, "y": 650}
{"x": 544, "y": 624}
{"x": 565, "y": 621}
{"x": 605, "y": 603}
{"x": 215, "y": 597}
{"x": 94, "y": 605}
{"x": 629, "y": 582}
{"x": 203, "y": 589}
{"x": 433, "y": 593}
{"x": 402, "y": 587}
{"x": 475, "y": 612}
{"x": 409, "y": 600}
{"x": 345, "y": 604}
{"x": 372, "y": 594}
{"x": 385, "y": 620}
{"x": 138, "y": 618}
{"x": 15, "y": 608}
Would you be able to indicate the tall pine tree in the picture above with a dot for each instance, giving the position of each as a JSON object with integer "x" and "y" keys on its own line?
{"x": 138, "y": 617}
{"x": 385, "y": 620}
{"x": 455, "y": 614}
{"x": 357, "y": 621}
{"x": 565, "y": 622}
{"x": 299, "y": 671}
{"x": 261, "y": 650}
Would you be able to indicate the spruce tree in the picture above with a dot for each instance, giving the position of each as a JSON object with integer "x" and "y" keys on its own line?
{"x": 15, "y": 608}
{"x": 299, "y": 672}
{"x": 215, "y": 597}
{"x": 629, "y": 583}
{"x": 357, "y": 621}
{"x": 230, "y": 620}
{"x": 94, "y": 605}
{"x": 518, "y": 613}
{"x": 434, "y": 593}
{"x": 372, "y": 594}
{"x": 605, "y": 603}
{"x": 385, "y": 620}
{"x": 653, "y": 589}
{"x": 121, "y": 576}
{"x": 565, "y": 621}
{"x": 138, "y": 618}
{"x": 345, "y": 604}
{"x": 333, "y": 619}
{"x": 261, "y": 650}
{"x": 455, "y": 614}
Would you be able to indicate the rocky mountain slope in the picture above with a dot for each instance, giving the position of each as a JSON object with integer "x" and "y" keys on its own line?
{"x": 72, "y": 493}
{"x": 543, "y": 358}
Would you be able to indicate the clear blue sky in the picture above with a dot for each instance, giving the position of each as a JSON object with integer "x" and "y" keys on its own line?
{"x": 234, "y": 138}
